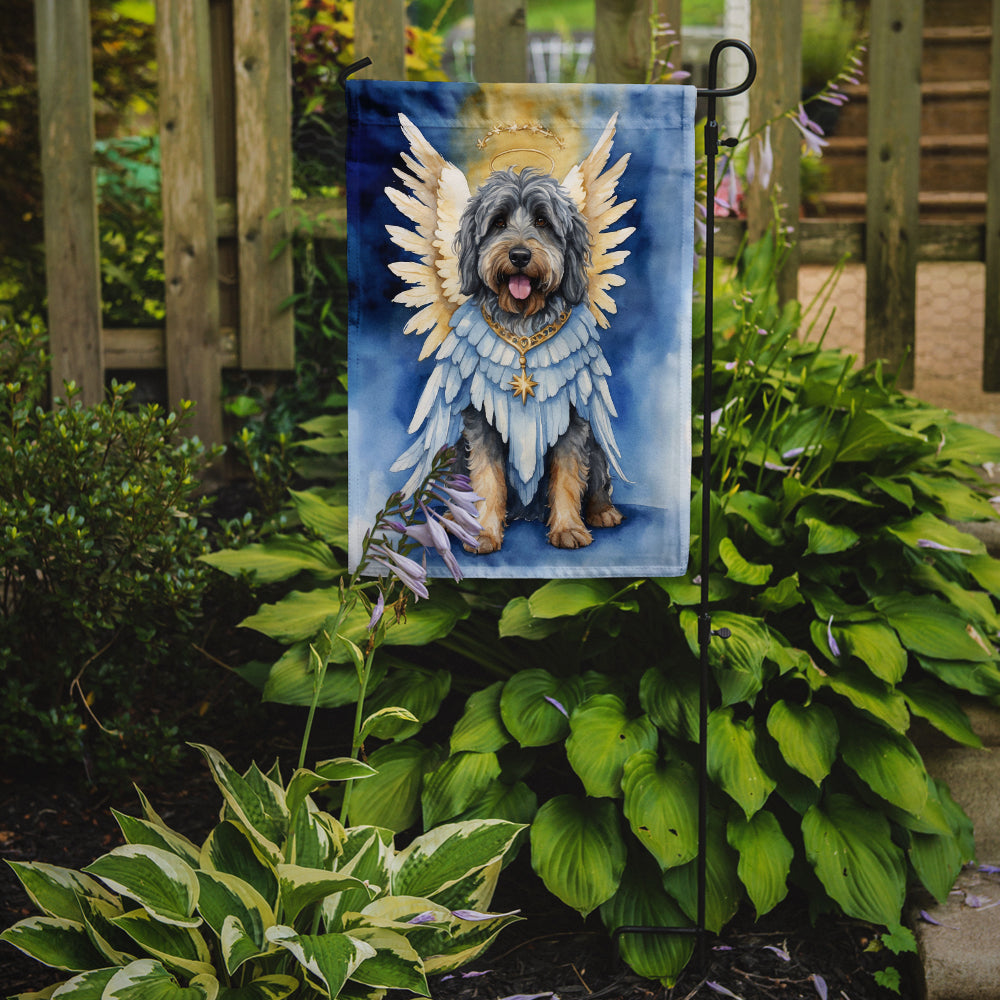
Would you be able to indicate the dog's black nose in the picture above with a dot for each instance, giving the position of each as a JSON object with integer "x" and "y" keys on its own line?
{"x": 519, "y": 256}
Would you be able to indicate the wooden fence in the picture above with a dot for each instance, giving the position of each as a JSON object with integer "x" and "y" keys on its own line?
{"x": 226, "y": 161}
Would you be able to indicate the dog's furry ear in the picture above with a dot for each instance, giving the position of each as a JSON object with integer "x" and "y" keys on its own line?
{"x": 466, "y": 241}
{"x": 574, "y": 285}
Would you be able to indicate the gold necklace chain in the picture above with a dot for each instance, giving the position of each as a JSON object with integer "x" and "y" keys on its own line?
{"x": 523, "y": 385}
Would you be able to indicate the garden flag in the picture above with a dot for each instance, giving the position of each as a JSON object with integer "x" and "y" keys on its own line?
{"x": 520, "y": 266}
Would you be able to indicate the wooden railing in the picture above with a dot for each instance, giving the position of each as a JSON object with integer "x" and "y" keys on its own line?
{"x": 226, "y": 161}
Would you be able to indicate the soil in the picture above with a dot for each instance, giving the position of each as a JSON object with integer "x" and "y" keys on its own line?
{"x": 551, "y": 952}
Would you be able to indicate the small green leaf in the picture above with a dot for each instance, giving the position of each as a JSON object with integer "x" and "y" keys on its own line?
{"x": 327, "y": 520}
{"x": 517, "y": 620}
{"x": 927, "y": 527}
{"x": 481, "y": 727}
{"x": 732, "y": 760}
{"x": 417, "y": 690}
{"x": 807, "y": 736}
{"x": 765, "y": 858}
{"x": 559, "y": 598}
{"x": 739, "y": 569}
{"x": 279, "y": 558}
{"x": 888, "y": 763}
{"x": 828, "y": 539}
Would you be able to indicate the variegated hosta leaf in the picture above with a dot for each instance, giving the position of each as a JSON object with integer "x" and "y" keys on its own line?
{"x": 441, "y": 857}
{"x": 256, "y": 801}
{"x": 602, "y": 738}
{"x": 732, "y": 760}
{"x": 304, "y": 782}
{"x": 315, "y": 838}
{"x": 367, "y": 853}
{"x": 56, "y": 891}
{"x": 456, "y": 784}
{"x": 395, "y": 964}
{"x": 578, "y": 851}
{"x": 177, "y": 947}
{"x": 230, "y": 849}
{"x": 475, "y": 891}
{"x": 850, "y": 847}
{"x": 807, "y": 736}
{"x": 147, "y": 979}
{"x": 86, "y": 986}
{"x": 300, "y": 887}
{"x": 158, "y": 880}
{"x": 765, "y": 858}
{"x": 661, "y": 805}
{"x": 481, "y": 727}
{"x": 642, "y": 902}
{"x": 141, "y": 831}
{"x": 225, "y": 897}
{"x": 116, "y": 947}
{"x": 54, "y": 941}
{"x": 329, "y": 959}
{"x": 275, "y": 987}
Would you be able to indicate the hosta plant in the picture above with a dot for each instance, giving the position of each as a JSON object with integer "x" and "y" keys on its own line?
{"x": 279, "y": 900}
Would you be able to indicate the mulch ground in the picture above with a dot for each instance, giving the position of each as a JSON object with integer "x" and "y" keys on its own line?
{"x": 551, "y": 953}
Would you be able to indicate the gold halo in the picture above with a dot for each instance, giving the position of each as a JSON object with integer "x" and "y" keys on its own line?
{"x": 522, "y": 149}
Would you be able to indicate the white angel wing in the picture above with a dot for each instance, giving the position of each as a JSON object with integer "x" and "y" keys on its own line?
{"x": 440, "y": 191}
{"x": 594, "y": 194}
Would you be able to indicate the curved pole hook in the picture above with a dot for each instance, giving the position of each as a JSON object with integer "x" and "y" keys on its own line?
{"x": 353, "y": 68}
{"x": 713, "y": 69}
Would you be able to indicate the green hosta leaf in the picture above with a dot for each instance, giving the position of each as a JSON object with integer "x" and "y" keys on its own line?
{"x": 865, "y": 692}
{"x": 180, "y": 948}
{"x": 578, "y": 851}
{"x": 738, "y": 661}
{"x": 301, "y": 887}
{"x": 386, "y": 723}
{"x": 937, "y": 859}
{"x": 327, "y": 520}
{"x": 965, "y": 443}
{"x": 415, "y": 689}
{"x": 893, "y": 488}
{"x": 304, "y": 782}
{"x": 641, "y": 901}
{"x": 438, "y": 859}
{"x": 602, "y": 738}
{"x": 888, "y": 763}
{"x": 941, "y": 709}
{"x": 661, "y": 799}
{"x": 957, "y": 501}
{"x": 671, "y": 700}
{"x": 732, "y": 760}
{"x": 141, "y": 831}
{"x": 751, "y": 574}
{"x": 481, "y": 728}
{"x": 260, "y": 809}
{"x": 330, "y": 959}
{"x": 976, "y": 678}
{"x": 931, "y": 628}
{"x": 976, "y": 605}
{"x": 530, "y": 706}
{"x": 147, "y": 979}
{"x": 391, "y": 798}
{"x": 870, "y": 435}
{"x": 292, "y": 680}
{"x": 765, "y": 858}
{"x": 723, "y": 889}
{"x": 876, "y": 646}
{"x": 559, "y": 598}
{"x": 279, "y": 558}
{"x": 850, "y": 848}
{"x": 56, "y": 891}
{"x": 231, "y": 850}
{"x": 682, "y": 590}
{"x": 159, "y": 881}
{"x": 274, "y": 987}
{"x": 758, "y": 511}
{"x": 515, "y": 803}
{"x": 395, "y": 964}
{"x": 456, "y": 784}
{"x": 828, "y": 539}
{"x": 517, "y": 620}
{"x": 807, "y": 736}
{"x": 783, "y": 595}
{"x": 54, "y": 941}
{"x": 986, "y": 571}
{"x": 224, "y": 898}
{"x": 928, "y": 528}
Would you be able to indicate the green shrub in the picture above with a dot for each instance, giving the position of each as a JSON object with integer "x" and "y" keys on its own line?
{"x": 101, "y": 584}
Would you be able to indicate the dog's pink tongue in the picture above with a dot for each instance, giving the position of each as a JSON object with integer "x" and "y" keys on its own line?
{"x": 520, "y": 286}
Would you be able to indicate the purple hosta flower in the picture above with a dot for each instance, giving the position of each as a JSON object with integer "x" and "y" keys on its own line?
{"x": 760, "y": 165}
{"x": 427, "y": 917}
{"x": 729, "y": 195}
{"x": 432, "y": 535}
{"x": 411, "y": 574}
{"x": 465, "y": 975}
{"x": 531, "y": 996}
{"x": 475, "y": 915}
{"x": 834, "y": 648}
{"x": 377, "y": 611}
{"x": 927, "y": 918}
{"x": 558, "y": 705}
{"x": 820, "y": 984}
{"x": 719, "y": 988}
{"x": 990, "y": 869}
{"x": 927, "y": 543}
{"x": 780, "y": 952}
{"x": 811, "y": 132}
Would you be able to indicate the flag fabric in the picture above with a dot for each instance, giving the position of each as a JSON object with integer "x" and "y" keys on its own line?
{"x": 520, "y": 264}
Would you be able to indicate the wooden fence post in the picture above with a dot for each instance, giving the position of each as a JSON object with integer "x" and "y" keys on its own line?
{"x": 501, "y": 41}
{"x": 380, "y": 34}
{"x": 262, "y": 61}
{"x": 622, "y": 39}
{"x": 892, "y": 215}
{"x": 72, "y": 255}
{"x": 776, "y": 35}
{"x": 991, "y": 333}
{"x": 190, "y": 251}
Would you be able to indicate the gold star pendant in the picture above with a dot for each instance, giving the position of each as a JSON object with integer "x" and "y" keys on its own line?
{"x": 523, "y": 385}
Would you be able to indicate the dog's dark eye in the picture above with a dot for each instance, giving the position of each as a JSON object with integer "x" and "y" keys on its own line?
{"x": 500, "y": 222}
{"x": 541, "y": 222}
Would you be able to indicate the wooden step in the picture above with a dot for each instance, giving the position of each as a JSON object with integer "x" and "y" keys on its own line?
{"x": 957, "y": 206}
{"x": 940, "y": 13}
{"x": 956, "y": 53}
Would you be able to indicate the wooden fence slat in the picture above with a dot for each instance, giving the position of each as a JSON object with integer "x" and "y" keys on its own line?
{"x": 991, "y": 332}
{"x": 262, "y": 61}
{"x": 622, "y": 40}
{"x": 190, "y": 253}
{"x": 380, "y": 34}
{"x": 72, "y": 256}
{"x": 893, "y": 184}
{"x": 501, "y": 41}
{"x": 776, "y": 36}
